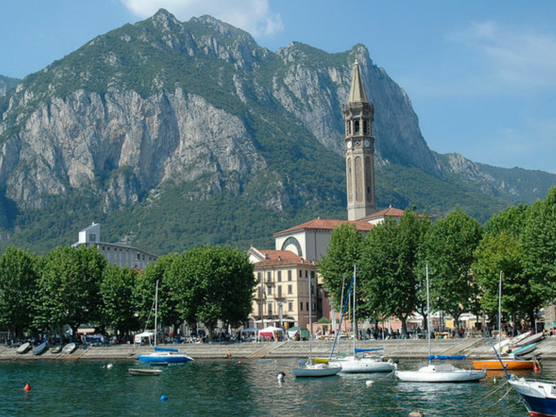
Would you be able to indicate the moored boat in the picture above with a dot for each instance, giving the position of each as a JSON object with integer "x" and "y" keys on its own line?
{"x": 511, "y": 364}
{"x": 144, "y": 372}
{"x": 311, "y": 369}
{"x": 160, "y": 354}
{"x": 439, "y": 372}
{"x": 539, "y": 396}
{"x": 56, "y": 350}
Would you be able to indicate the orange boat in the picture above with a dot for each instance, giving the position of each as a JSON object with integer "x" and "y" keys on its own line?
{"x": 509, "y": 363}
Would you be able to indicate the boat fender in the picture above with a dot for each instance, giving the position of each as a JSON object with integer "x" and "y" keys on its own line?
{"x": 27, "y": 387}
{"x": 281, "y": 376}
{"x": 164, "y": 398}
{"x": 536, "y": 366}
{"x": 369, "y": 383}
{"x": 239, "y": 362}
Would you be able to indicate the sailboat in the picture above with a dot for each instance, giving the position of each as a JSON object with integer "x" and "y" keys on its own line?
{"x": 439, "y": 372}
{"x": 514, "y": 362}
{"x": 310, "y": 368}
{"x": 164, "y": 355}
{"x": 358, "y": 364}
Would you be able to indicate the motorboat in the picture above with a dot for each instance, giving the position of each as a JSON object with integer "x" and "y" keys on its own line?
{"x": 144, "y": 371}
{"x": 511, "y": 364}
{"x": 23, "y": 348}
{"x": 523, "y": 350}
{"x": 539, "y": 396}
{"x": 439, "y": 372}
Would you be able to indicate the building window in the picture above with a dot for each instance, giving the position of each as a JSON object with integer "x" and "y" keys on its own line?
{"x": 306, "y": 274}
{"x": 300, "y": 273}
{"x": 290, "y": 306}
{"x": 290, "y": 289}
{"x": 269, "y": 276}
{"x": 307, "y": 306}
{"x": 279, "y": 276}
{"x": 92, "y": 237}
{"x": 312, "y": 274}
{"x": 269, "y": 290}
{"x": 259, "y": 276}
{"x": 279, "y": 291}
{"x": 301, "y": 306}
{"x": 289, "y": 275}
{"x": 270, "y": 309}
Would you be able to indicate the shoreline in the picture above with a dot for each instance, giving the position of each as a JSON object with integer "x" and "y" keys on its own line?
{"x": 473, "y": 348}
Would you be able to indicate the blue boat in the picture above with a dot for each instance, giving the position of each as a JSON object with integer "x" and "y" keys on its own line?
{"x": 160, "y": 354}
{"x": 539, "y": 396}
{"x": 167, "y": 355}
{"x": 40, "y": 348}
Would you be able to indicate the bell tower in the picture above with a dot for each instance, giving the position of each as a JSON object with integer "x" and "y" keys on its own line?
{"x": 360, "y": 149}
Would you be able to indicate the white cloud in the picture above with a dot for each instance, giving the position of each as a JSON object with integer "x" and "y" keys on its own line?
{"x": 253, "y": 16}
{"x": 514, "y": 58}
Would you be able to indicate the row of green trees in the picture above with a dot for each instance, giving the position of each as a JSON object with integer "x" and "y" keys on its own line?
{"x": 464, "y": 260}
{"x": 74, "y": 286}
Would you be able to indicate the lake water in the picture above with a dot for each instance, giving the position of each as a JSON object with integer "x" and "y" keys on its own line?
{"x": 231, "y": 388}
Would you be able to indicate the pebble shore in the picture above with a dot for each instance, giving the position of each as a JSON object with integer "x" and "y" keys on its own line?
{"x": 473, "y": 348}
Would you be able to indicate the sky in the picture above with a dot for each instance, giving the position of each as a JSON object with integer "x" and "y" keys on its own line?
{"x": 481, "y": 75}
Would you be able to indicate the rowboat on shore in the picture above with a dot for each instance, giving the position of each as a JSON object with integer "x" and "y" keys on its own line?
{"x": 69, "y": 348}
{"x": 23, "y": 348}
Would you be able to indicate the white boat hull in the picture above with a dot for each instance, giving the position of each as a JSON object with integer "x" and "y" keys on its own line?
{"x": 539, "y": 396}
{"x": 441, "y": 373}
{"x": 316, "y": 370}
{"x": 363, "y": 365}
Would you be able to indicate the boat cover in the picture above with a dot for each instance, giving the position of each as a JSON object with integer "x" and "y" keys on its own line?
{"x": 447, "y": 358}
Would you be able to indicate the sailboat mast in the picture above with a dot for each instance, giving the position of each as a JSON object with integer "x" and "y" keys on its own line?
{"x": 353, "y": 314}
{"x": 155, "y": 313}
{"x": 500, "y": 311}
{"x": 428, "y": 313}
{"x": 310, "y": 323}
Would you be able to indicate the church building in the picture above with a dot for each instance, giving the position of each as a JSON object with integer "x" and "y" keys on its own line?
{"x": 282, "y": 296}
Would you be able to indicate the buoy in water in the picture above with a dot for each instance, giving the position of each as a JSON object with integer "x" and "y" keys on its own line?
{"x": 27, "y": 387}
{"x": 239, "y": 362}
{"x": 416, "y": 414}
{"x": 164, "y": 398}
{"x": 369, "y": 383}
{"x": 109, "y": 366}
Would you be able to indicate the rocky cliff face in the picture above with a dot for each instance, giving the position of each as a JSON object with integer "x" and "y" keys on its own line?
{"x": 163, "y": 102}
{"x": 7, "y": 83}
{"x": 55, "y": 139}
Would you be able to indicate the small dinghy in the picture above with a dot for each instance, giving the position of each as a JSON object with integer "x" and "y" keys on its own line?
{"x": 56, "y": 350}
{"x": 40, "y": 348}
{"x": 144, "y": 371}
{"x": 23, "y": 348}
{"x": 69, "y": 348}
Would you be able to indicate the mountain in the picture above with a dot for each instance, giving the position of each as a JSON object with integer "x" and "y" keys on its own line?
{"x": 173, "y": 134}
{"x": 7, "y": 83}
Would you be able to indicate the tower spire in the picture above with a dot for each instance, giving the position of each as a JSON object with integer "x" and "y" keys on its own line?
{"x": 357, "y": 92}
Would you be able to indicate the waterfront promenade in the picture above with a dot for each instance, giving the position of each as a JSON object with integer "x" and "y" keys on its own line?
{"x": 473, "y": 348}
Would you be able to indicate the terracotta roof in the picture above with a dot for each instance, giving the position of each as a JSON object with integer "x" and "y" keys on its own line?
{"x": 279, "y": 257}
{"x": 326, "y": 224}
{"x": 389, "y": 212}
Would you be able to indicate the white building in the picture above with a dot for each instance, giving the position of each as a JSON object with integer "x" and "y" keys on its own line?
{"x": 115, "y": 253}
